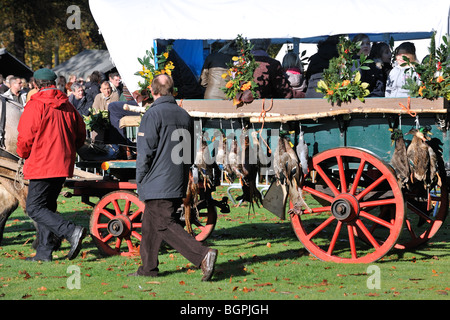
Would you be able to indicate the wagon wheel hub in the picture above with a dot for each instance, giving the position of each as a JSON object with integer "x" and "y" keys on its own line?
{"x": 120, "y": 226}
{"x": 345, "y": 207}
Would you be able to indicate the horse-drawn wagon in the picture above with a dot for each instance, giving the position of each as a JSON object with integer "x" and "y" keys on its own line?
{"x": 361, "y": 210}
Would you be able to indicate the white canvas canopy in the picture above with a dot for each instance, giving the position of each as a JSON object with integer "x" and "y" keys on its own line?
{"x": 130, "y": 27}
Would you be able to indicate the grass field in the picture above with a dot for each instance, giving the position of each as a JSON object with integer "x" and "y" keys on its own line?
{"x": 260, "y": 259}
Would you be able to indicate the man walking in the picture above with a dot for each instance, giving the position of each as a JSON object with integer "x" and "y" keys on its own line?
{"x": 162, "y": 183}
{"x": 50, "y": 132}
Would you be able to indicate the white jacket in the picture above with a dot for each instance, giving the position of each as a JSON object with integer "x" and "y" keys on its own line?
{"x": 396, "y": 80}
{"x": 22, "y": 97}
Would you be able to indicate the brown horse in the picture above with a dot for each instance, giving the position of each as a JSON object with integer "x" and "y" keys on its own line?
{"x": 11, "y": 194}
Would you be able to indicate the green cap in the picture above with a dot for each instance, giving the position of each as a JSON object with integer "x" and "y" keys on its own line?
{"x": 44, "y": 74}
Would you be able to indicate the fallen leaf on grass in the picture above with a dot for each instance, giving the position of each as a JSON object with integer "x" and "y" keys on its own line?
{"x": 372, "y": 294}
{"x": 263, "y": 284}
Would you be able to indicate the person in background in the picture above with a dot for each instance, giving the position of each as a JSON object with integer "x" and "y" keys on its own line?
{"x": 162, "y": 182}
{"x": 33, "y": 88}
{"x": 382, "y": 57}
{"x": 293, "y": 68}
{"x": 105, "y": 97}
{"x": 215, "y": 65}
{"x": 269, "y": 74}
{"x": 318, "y": 62}
{"x": 92, "y": 87}
{"x": 365, "y": 45}
{"x": 397, "y": 78}
{"x": 14, "y": 93}
{"x": 373, "y": 76}
{"x": 116, "y": 83}
{"x": 49, "y": 160}
{"x": 78, "y": 99}
{"x": 3, "y": 86}
{"x": 61, "y": 84}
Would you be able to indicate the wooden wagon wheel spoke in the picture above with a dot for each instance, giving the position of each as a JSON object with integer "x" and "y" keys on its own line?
{"x": 367, "y": 234}
{"x": 342, "y": 177}
{"x": 322, "y": 226}
{"x": 351, "y": 239}
{"x": 327, "y": 180}
{"x": 106, "y": 213}
{"x": 116, "y": 207}
{"x": 376, "y": 219}
{"x": 370, "y": 188}
{"x": 136, "y": 235}
{"x": 318, "y": 194}
{"x": 135, "y": 215}
{"x": 335, "y": 238}
{"x": 358, "y": 175}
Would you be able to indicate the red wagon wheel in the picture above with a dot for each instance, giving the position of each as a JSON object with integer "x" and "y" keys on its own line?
{"x": 116, "y": 222}
{"x": 354, "y": 188}
{"x": 426, "y": 212}
{"x": 204, "y": 226}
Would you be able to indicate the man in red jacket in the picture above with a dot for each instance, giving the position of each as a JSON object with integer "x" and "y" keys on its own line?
{"x": 50, "y": 132}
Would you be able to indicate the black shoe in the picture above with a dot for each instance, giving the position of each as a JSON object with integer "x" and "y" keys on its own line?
{"x": 75, "y": 242}
{"x": 38, "y": 259}
{"x": 208, "y": 264}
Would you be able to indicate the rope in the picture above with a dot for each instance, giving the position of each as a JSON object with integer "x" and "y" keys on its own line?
{"x": 263, "y": 115}
{"x": 408, "y": 108}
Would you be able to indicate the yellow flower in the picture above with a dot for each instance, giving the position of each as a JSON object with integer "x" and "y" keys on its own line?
{"x": 440, "y": 79}
{"x": 169, "y": 65}
{"x": 345, "y": 83}
{"x": 235, "y": 58}
{"x": 166, "y": 55}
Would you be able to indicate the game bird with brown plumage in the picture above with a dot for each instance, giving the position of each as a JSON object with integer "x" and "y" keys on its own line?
{"x": 422, "y": 159}
{"x": 399, "y": 160}
{"x": 288, "y": 172}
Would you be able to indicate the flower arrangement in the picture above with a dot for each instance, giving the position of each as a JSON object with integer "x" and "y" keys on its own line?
{"x": 342, "y": 80}
{"x": 153, "y": 65}
{"x": 241, "y": 87}
{"x": 97, "y": 120}
{"x": 433, "y": 73}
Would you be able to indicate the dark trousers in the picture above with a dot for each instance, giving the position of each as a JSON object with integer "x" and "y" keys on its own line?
{"x": 160, "y": 222}
{"x": 41, "y": 207}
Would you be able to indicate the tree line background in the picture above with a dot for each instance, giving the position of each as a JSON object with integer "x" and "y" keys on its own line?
{"x": 36, "y": 31}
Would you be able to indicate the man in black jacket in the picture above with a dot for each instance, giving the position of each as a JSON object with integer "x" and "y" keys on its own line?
{"x": 162, "y": 181}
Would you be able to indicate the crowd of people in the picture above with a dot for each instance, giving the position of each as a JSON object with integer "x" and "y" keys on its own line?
{"x": 289, "y": 79}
